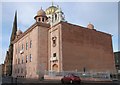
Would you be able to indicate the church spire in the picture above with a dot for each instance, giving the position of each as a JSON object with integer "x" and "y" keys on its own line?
{"x": 14, "y": 28}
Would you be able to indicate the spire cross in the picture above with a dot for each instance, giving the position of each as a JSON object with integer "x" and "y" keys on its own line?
{"x": 89, "y": 22}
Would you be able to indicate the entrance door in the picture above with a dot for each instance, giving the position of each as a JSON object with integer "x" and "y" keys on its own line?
{"x": 55, "y": 67}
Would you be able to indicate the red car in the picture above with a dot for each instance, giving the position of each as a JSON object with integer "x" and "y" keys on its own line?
{"x": 71, "y": 78}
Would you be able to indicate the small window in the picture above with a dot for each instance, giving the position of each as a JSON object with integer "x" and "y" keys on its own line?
{"x": 18, "y": 60}
{"x": 55, "y": 16}
{"x": 54, "y": 41}
{"x": 42, "y": 19}
{"x": 30, "y": 57}
{"x": 15, "y": 70}
{"x": 18, "y": 70}
{"x": 39, "y": 19}
{"x": 26, "y": 59}
{"x": 117, "y": 61}
{"x": 54, "y": 54}
{"x": 21, "y": 70}
{"x": 16, "y": 50}
{"x": 52, "y": 18}
{"x": 30, "y": 43}
{"x": 22, "y": 60}
{"x": 26, "y": 46}
{"x": 22, "y": 47}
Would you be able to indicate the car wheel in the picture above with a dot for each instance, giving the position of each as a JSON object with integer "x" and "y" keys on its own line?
{"x": 62, "y": 81}
{"x": 71, "y": 81}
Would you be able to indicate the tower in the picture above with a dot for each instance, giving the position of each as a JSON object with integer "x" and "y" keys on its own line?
{"x": 54, "y": 14}
{"x": 41, "y": 16}
{"x": 10, "y": 51}
{"x": 13, "y": 35}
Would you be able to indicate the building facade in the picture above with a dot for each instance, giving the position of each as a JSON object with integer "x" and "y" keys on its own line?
{"x": 53, "y": 44}
{"x": 117, "y": 61}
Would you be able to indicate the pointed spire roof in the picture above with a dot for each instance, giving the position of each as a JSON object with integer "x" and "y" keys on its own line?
{"x": 14, "y": 28}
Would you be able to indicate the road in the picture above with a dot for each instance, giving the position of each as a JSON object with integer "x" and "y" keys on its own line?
{"x": 20, "y": 81}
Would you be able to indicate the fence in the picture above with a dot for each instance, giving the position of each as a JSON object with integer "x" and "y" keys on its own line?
{"x": 90, "y": 75}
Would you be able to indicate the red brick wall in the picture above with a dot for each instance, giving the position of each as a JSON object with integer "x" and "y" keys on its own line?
{"x": 83, "y": 47}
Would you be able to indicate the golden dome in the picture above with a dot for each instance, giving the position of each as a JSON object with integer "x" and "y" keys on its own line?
{"x": 90, "y": 26}
{"x": 51, "y": 10}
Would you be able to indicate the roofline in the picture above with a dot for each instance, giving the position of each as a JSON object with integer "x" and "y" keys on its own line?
{"x": 81, "y": 27}
{"x": 30, "y": 29}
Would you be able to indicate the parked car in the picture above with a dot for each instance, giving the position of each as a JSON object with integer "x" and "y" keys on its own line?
{"x": 71, "y": 78}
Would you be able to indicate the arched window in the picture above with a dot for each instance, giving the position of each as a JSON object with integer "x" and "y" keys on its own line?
{"x": 54, "y": 41}
{"x": 55, "y": 67}
{"x": 55, "y": 16}
{"x": 42, "y": 19}
{"x": 39, "y": 19}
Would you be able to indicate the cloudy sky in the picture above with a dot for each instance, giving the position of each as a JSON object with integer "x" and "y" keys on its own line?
{"x": 104, "y": 16}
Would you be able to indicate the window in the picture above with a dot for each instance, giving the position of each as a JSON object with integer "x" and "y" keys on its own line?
{"x": 26, "y": 46}
{"x": 16, "y": 50}
{"x": 26, "y": 58}
{"x": 18, "y": 70}
{"x": 55, "y": 16}
{"x": 39, "y": 19}
{"x": 22, "y": 47}
{"x": 30, "y": 43}
{"x": 54, "y": 41}
{"x": 30, "y": 57}
{"x": 21, "y": 70}
{"x": 42, "y": 19}
{"x": 52, "y": 18}
{"x": 54, "y": 54}
{"x": 117, "y": 61}
{"x": 22, "y": 60}
{"x": 15, "y": 70}
{"x": 18, "y": 60}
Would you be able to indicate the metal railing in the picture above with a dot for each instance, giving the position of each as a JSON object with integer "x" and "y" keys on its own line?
{"x": 95, "y": 75}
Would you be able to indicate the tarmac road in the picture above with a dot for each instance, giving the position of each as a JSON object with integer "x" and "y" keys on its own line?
{"x": 20, "y": 81}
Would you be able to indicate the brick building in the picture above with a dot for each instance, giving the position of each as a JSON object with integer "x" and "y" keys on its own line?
{"x": 53, "y": 44}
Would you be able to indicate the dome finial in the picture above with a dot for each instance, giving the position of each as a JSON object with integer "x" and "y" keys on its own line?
{"x": 41, "y": 7}
{"x": 52, "y": 3}
{"x": 90, "y": 26}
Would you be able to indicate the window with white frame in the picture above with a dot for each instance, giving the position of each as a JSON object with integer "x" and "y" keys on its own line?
{"x": 26, "y": 58}
{"x": 26, "y": 45}
{"x": 54, "y": 41}
{"x": 22, "y": 60}
{"x": 30, "y": 43}
{"x": 30, "y": 57}
{"x": 22, "y": 46}
{"x": 18, "y": 60}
